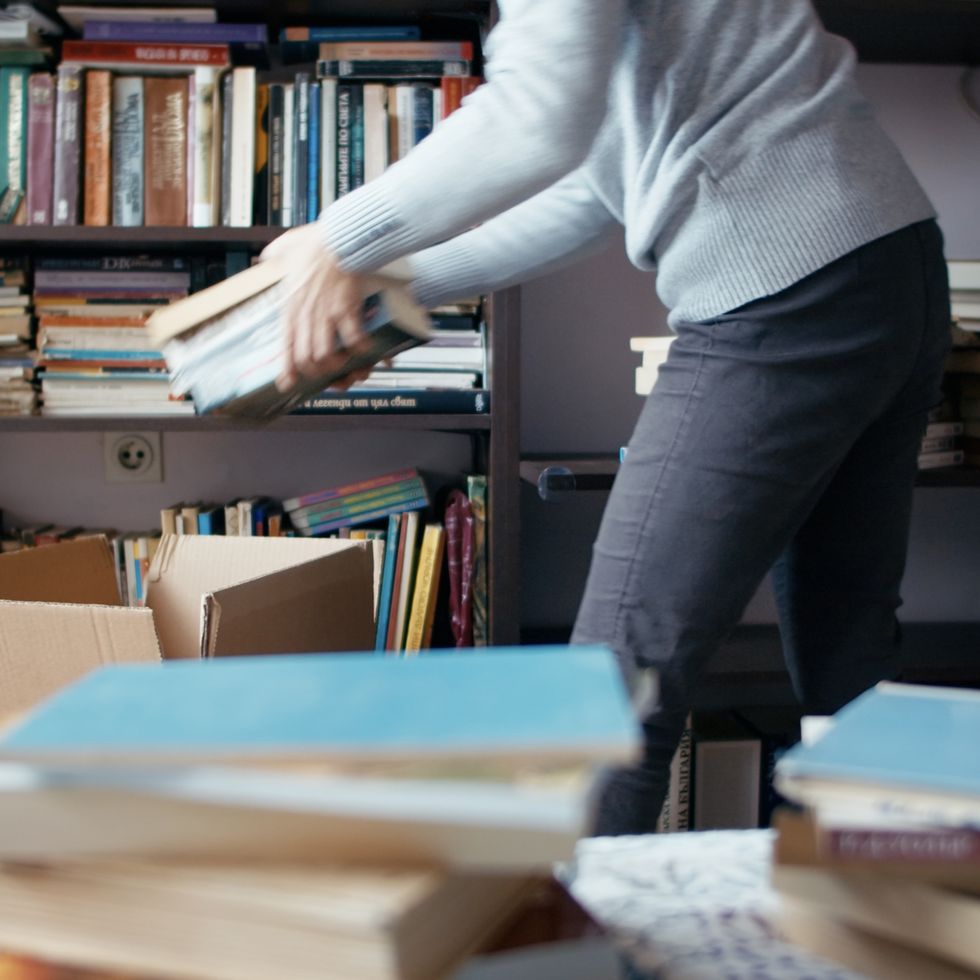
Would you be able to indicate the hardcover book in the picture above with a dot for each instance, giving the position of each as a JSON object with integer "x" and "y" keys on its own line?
{"x": 40, "y": 147}
{"x": 224, "y": 345}
{"x": 68, "y": 144}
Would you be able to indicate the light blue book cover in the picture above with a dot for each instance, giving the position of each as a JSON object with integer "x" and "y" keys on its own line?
{"x": 907, "y": 735}
{"x": 563, "y": 701}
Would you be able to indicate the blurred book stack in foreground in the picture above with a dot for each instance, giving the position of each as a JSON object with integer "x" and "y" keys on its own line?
{"x": 880, "y": 870}
{"x": 341, "y": 816}
{"x": 963, "y": 361}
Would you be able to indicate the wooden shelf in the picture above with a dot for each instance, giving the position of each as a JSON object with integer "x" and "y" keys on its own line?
{"x": 927, "y": 31}
{"x": 556, "y": 476}
{"x": 289, "y": 423}
{"x": 71, "y": 237}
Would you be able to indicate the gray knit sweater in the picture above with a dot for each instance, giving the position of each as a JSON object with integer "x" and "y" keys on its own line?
{"x": 727, "y": 136}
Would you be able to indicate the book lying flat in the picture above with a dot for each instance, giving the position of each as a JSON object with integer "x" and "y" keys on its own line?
{"x": 249, "y": 922}
{"x": 519, "y": 704}
{"x": 225, "y": 345}
{"x": 900, "y": 750}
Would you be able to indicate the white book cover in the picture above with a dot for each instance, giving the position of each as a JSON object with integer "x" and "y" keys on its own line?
{"x": 375, "y": 130}
{"x": 328, "y": 141}
{"x": 242, "y": 146}
{"x": 288, "y": 157}
{"x": 202, "y": 111}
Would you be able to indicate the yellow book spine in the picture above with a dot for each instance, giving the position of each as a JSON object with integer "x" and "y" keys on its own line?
{"x": 422, "y": 612}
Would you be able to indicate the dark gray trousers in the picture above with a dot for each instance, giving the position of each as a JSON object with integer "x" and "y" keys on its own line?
{"x": 782, "y": 435}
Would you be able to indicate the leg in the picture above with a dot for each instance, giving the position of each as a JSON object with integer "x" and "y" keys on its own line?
{"x": 751, "y": 416}
{"x": 837, "y": 585}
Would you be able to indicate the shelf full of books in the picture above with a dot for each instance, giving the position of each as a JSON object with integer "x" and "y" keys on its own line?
{"x": 181, "y": 123}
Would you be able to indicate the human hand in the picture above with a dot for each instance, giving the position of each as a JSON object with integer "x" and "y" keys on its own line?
{"x": 322, "y": 322}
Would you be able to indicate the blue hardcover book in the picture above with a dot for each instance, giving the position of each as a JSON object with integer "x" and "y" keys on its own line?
{"x": 512, "y": 703}
{"x": 313, "y": 170}
{"x": 905, "y": 740}
{"x": 387, "y": 582}
{"x": 352, "y": 32}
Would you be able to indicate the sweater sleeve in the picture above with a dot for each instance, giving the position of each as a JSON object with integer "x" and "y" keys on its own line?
{"x": 554, "y": 228}
{"x": 547, "y": 71}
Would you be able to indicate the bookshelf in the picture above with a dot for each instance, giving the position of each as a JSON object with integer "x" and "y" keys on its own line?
{"x": 493, "y": 436}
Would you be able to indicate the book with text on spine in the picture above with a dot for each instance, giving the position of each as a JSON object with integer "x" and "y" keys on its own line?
{"x": 225, "y": 346}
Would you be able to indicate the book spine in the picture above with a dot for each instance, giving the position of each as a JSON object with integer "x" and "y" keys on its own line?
{"x": 174, "y": 32}
{"x": 202, "y": 126}
{"x": 12, "y": 208}
{"x": 376, "y": 401}
{"x": 405, "y": 111}
{"x": 328, "y": 141}
{"x": 929, "y": 461}
{"x": 127, "y": 150}
{"x": 40, "y": 147}
{"x": 301, "y": 146}
{"x": 422, "y": 113}
{"x": 344, "y": 97}
{"x": 452, "y": 94}
{"x": 242, "y": 147}
{"x": 387, "y": 582}
{"x": 90, "y": 279}
{"x": 313, "y": 166}
{"x": 288, "y": 157}
{"x": 411, "y": 51}
{"x": 476, "y": 488}
{"x": 260, "y": 201}
{"x": 372, "y": 32}
{"x": 166, "y": 151}
{"x": 904, "y": 845}
{"x": 227, "y": 121}
{"x": 98, "y": 122}
{"x": 377, "y": 68}
{"x": 176, "y": 57}
{"x": 277, "y": 118}
{"x": 375, "y": 130}
{"x": 419, "y": 631}
{"x": 67, "y": 145}
{"x": 357, "y": 137}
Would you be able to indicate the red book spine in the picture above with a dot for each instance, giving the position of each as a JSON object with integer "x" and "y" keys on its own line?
{"x": 40, "y": 148}
{"x": 174, "y": 56}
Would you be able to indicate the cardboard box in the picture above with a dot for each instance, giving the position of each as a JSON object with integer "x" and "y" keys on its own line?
{"x": 60, "y": 612}
{"x": 216, "y": 596}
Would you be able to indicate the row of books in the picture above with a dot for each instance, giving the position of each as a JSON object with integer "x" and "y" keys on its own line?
{"x": 172, "y": 133}
{"x": 879, "y": 867}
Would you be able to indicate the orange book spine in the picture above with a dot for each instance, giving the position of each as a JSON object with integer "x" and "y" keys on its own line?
{"x": 98, "y": 122}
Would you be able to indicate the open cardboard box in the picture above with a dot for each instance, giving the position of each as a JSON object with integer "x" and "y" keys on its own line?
{"x": 208, "y": 596}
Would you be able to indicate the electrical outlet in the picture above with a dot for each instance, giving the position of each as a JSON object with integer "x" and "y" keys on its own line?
{"x": 133, "y": 457}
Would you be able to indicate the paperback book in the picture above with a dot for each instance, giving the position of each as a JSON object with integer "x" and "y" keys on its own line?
{"x": 225, "y": 345}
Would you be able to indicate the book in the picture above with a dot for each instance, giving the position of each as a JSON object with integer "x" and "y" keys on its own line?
{"x": 900, "y": 750}
{"x": 242, "y": 162}
{"x": 173, "y": 32}
{"x": 425, "y": 591}
{"x": 313, "y": 153}
{"x": 387, "y": 582}
{"x": 165, "y": 141}
{"x": 204, "y": 156}
{"x": 572, "y": 707}
{"x": 13, "y": 142}
{"x": 127, "y": 150}
{"x": 97, "y": 183}
{"x": 122, "y": 55}
{"x": 351, "y": 32}
{"x": 404, "y": 579}
{"x": 251, "y": 922}
{"x": 236, "y": 324}
{"x": 77, "y": 15}
{"x": 676, "y": 812}
{"x": 67, "y": 144}
{"x": 377, "y": 68}
{"x": 406, "y": 496}
{"x": 458, "y": 524}
{"x": 476, "y": 489}
{"x": 347, "y": 489}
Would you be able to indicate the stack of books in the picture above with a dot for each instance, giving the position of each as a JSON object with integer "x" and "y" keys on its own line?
{"x": 341, "y": 816}
{"x": 18, "y": 395}
{"x": 963, "y": 361}
{"x": 94, "y": 354}
{"x": 881, "y": 867}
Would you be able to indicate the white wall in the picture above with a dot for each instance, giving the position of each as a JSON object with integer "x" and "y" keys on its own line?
{"x": 578, "y": 370}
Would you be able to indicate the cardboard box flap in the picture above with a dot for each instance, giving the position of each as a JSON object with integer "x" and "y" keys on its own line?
{"x": 74, "y": 571}
{"x": 188, "y": 567}
{"x": 46, "y": 646}
{"x": 321, "y": 606}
